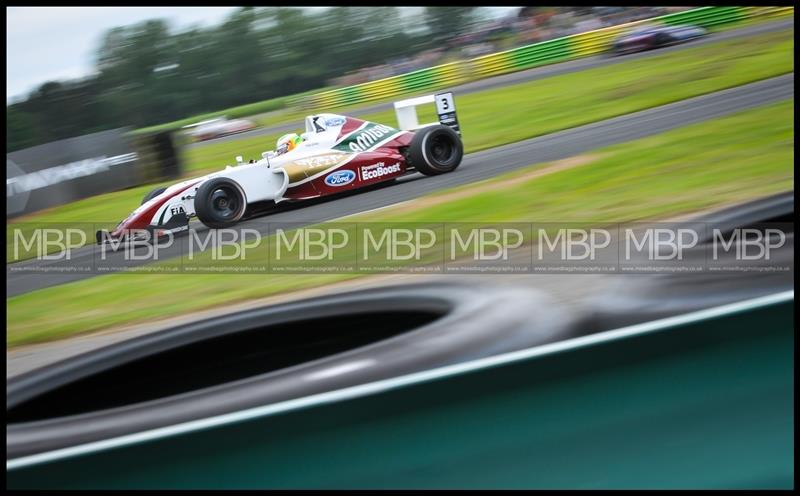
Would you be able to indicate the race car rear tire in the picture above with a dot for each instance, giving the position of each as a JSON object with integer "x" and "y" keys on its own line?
{"x": 149, "y": 196}
{"x": 435, "y": 150}
{"x": 220, "y": 203}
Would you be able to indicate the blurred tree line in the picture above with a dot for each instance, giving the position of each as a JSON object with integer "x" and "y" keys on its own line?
{"x": 147, "y": 75}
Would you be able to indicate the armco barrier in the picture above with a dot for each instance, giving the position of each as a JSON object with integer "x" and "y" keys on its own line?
{"x": 67, "y": 170}
{"x": 526, "y": 57}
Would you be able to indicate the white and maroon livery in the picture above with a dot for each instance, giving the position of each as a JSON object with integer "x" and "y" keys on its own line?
{"x": 337, "y": 154}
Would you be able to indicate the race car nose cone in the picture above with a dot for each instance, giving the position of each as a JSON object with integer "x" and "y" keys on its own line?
{"x": 101, "y": 235}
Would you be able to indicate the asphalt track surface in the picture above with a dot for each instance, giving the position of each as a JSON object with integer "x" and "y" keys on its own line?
{"x": 531, "y": 75}
{"x": 475, "y": 167}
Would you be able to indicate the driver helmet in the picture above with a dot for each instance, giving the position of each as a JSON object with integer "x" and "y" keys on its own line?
{"x": 287, "y": 143}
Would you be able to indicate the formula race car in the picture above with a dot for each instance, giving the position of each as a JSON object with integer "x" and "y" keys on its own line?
{"x": 650, "y": 37}
{"x": 335, "y": 154}
{"x": 216, "y": 128}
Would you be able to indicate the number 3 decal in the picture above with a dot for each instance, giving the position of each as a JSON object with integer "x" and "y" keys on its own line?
{"x": 444, "y": 103}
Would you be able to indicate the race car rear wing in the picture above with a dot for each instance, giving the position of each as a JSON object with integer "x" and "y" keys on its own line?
{"x": 406, "y": 111}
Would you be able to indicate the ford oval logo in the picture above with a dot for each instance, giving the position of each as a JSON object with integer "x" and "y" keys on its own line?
{"x": 334, "y": 121}
{"x": 340, "y": 178}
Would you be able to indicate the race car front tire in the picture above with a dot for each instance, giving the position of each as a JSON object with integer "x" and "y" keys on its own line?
{"x": 219, "y": 203}
{"x": 435, "y": 150}
{"x": 149, "y": 196}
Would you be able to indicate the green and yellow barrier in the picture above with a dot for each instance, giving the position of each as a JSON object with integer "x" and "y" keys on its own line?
{"x": 526, "y": 57}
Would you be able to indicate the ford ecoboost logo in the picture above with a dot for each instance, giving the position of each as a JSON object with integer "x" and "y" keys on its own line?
{"x": 340, "y": 178}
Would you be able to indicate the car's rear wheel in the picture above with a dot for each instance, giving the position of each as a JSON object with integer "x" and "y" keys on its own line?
{"x": 219, "y": 203}
{"x": 149, "y": 196}
{"x": 435, "y": 150}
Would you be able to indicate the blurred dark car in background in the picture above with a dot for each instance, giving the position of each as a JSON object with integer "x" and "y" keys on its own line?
{"x": 217, "y": 128}
{"x": 650, "y": 37}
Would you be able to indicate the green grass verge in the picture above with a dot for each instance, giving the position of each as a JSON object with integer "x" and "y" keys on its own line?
{"x": 512, "y": 113}
{"x": 725, "y": 160}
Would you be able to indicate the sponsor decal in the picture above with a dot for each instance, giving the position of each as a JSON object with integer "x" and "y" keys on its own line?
{"x": 334, "y": 121}
{"x": 177, "y": 210}
{"x": 320, "y": 160}
{"x": 365, "y": 138}
{"x": 340, "y": 178}
{"x": 378, "y": 170}
{"x": 446, "y": 109}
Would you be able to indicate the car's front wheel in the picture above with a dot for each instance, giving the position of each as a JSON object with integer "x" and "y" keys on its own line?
{"x": 149, "y": 196}
{"x": 219, "y": 203}
{"x": 435, "y": 150}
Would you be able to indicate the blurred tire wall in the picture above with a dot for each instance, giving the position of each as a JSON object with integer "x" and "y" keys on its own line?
{"x": 694, "y": 403}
